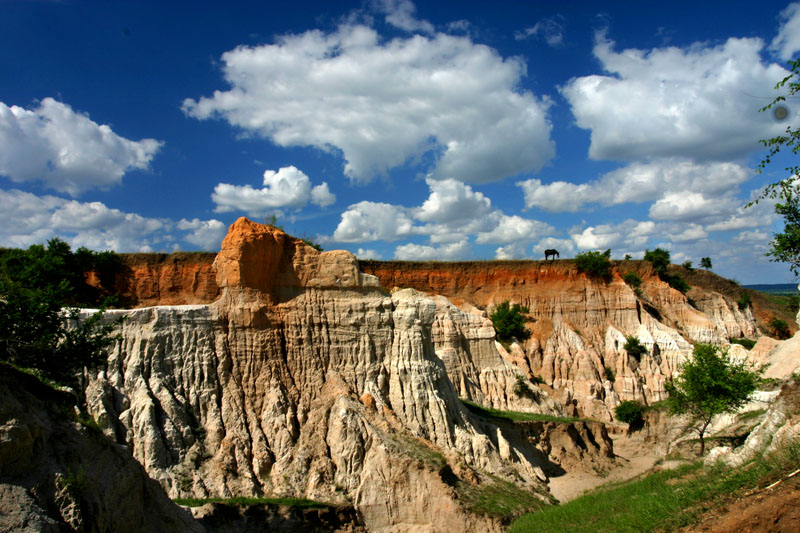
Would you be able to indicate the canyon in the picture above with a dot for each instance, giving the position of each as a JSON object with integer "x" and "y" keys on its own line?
{"x": 272, "y": 368}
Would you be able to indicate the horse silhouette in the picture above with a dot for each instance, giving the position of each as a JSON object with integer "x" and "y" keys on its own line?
{"x": 551, "y": 252}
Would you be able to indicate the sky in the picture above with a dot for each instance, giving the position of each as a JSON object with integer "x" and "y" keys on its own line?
{"x": 431, "y": 131}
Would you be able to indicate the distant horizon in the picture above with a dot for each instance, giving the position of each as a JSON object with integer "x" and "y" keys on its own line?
{"x": 398, "y": 130}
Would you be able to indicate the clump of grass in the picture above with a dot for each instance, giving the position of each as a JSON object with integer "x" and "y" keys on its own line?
{"x": 747, "y": 343}
{"x": 247, "y": 502}
{"x": 663, "y": 501}
{"x": 516, "y": 416}
{"x": 499, "y": 498}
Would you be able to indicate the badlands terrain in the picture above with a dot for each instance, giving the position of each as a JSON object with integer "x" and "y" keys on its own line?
{"x": 273, "y": 369}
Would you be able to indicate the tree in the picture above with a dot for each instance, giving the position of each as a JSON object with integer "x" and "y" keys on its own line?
{"x": 37, "y": 328}
{"x": 659, "y": 258}
{"x": 705, "y": 262}
{"x": 631, "y": 413}
{"x": 595, "y": 264}
{"x": 634, "y": 348}
{"x": 509, "y": 322}
{"x": 709, "y": 384}
{"x": 785, "y": 246}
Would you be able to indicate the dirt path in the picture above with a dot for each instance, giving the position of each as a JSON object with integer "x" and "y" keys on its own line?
{"x": 634, "y": 458}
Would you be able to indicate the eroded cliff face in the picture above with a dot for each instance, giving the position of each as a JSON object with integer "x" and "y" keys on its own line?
{"x": 579, "y": 324}
{"x": 307, "y": 379}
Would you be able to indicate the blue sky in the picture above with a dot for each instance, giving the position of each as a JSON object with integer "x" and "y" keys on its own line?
{"x": 447, "y": 130}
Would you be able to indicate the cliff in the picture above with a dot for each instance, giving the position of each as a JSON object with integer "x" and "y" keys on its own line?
{"x": 305, "y": 378}
{"x": 57, "y": 474}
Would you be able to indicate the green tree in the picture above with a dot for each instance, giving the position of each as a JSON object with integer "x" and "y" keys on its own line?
{"x": 39, "y": 327}
{"x": 744, "y": 301}
{"x": 631, "y": 413}
{"x": 709, "y": 384}
{"x": 632, "y": 279}
{"x": 509, "y": 322}
{"x": 595, "y": 264}
{"x": 634, "y": 348}
{"x": 705, "y": 262}
{"x": 687, "y": 265}
{"x": 785, "y": 246}
{"x": 780, "y": 328}
{"x": 659, "y": 258}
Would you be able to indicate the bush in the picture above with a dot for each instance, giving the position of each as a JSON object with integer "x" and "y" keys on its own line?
{"x": 634, "y": 347}
{"x": 676, "y": 282}
{"x": 610, "y": 376}
{"x": 521, "y": 387}
{"x": 630, "y": 412}
{"x": 687, "y": 265}
{"x": 632, "y": 279}
{"x": 780, "y": 328}
{"x": 595, "y": 264}
{"x": 509, "y": 322}
{"x": 744, "y": 302}
{"x": 659, "y": 258}
{"x": 747, "y": 343}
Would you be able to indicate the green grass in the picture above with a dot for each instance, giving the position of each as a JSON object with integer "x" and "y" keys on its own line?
{"x": 246, "y": 502}
{"x": 498, "y": 498}
{"x": 663, "y": 501}
{"x": 516, "y": 416}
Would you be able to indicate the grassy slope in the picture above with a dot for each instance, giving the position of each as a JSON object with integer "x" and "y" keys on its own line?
{"x": 663, "y": 501}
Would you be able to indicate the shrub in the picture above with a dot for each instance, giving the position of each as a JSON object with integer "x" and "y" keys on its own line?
{"x": 659, "y": 258}
{"x": 676, "y": 282}
{"x": 632, "y": 279}
{"x": 793, "y": 302}
{"x": 780, "y": 328}
{"x": 630, "y": 413}
{"x": 634, "y": 347}
{"x": 687, "y": 265}
{"x": 744, "y": 302}
{"x": 595, "y": 264}
{"x": 747, "y": 343}
{"x": 521, "y": 387}
{"x": 509, "y": 322}
{"x": 610, "y": 376}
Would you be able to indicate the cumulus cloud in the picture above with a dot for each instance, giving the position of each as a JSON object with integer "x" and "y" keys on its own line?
{"x": 550, "y": 29}
{"x": 289, "y": 187}
{"x": 402, "y": 14}
{"x": 515, "y": 250}
{"x": 207, "y": 234}
{"x": 386, "y": 104}
{"x": 787, "y": 42}
{"x": 452, "y": 212}
{"x": 374, "y": 221}
{"x": 27, "y": 219}
{"x": 689, "y": 102}
{"x": 368, "y": 254}
{"x": 630, "y": 233}
{"x": 446, "y": 252}
{"x": 659, "y": 180}
{"x": 513, "y": 229}
{"x": 66, "y": 150}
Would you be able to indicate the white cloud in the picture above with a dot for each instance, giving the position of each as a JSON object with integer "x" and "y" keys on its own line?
{"x": 322, "y": 196}
{"x": 451, "y": 201}
{"x": 550, "y": 29}
{"x": 207, "y": 234}
{"x": 629, "y": 233}
{"x": 515, "y": 250}
{"x": 402, "y": 14}
{"x": 27, "y": 219}
{"x": 756, "y": 236}
{"x": 374, "y": 221}
{"x": 289, "y": 187}
{"x": 691, "y": 233}
{"x": 690, "y": 102}
{"x": 691, "y": 206}
{"x": 787, "y": 42}
{"x": 640, "y": 182}
{"x": 446, "y": 252}
{"x": 65, "y": 150}
{"x": 385, "y": 104}
{"x": 515, "y": 228}
{"x": 368, "y": 254}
